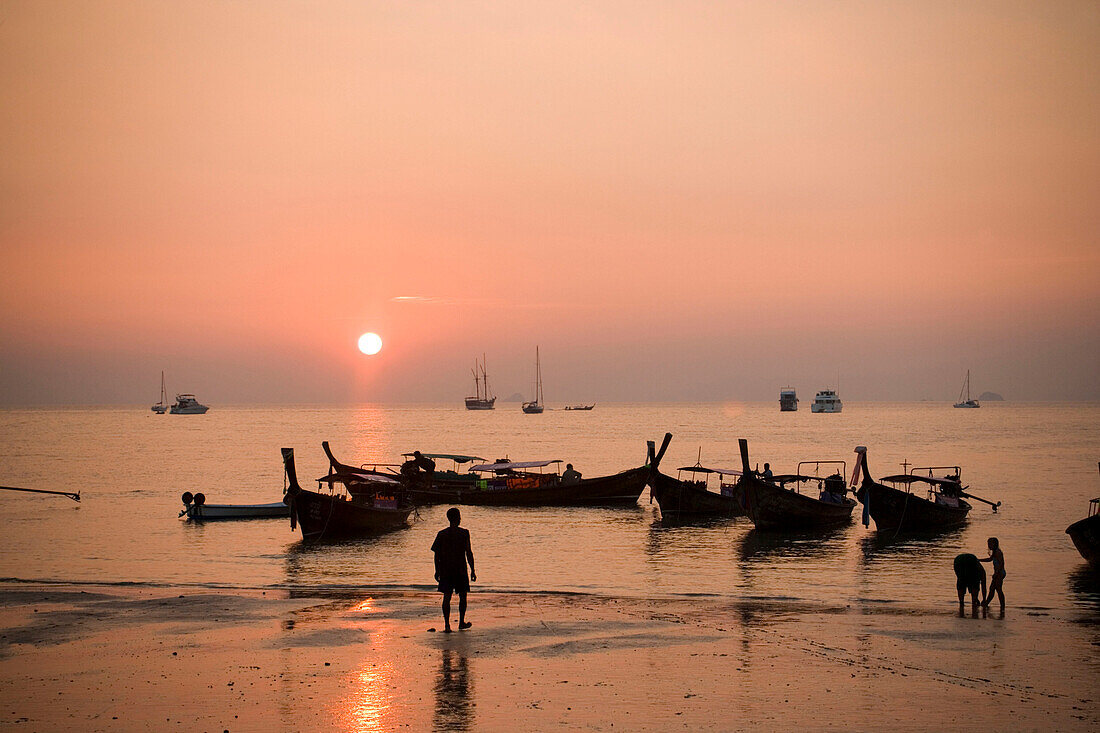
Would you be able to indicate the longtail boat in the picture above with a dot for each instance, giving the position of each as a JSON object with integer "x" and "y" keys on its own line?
{"x": 898, "y": 507}
{"x": 511, "y": 483}
{"x": 774, "y": 506}
{"x": 691, "y": 496}
{"x": 371, "y": 503}
{"x": 1085, "y": 533}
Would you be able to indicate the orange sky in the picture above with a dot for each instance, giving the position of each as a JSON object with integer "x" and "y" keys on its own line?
{"x": 677, "y": 201}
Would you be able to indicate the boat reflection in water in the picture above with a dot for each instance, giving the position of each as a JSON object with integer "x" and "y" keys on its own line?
{"x": 454, "y": 705}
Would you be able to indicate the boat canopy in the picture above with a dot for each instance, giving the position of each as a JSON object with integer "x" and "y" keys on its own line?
{"x": 786, "y": 478}
{"x": 703, "y": 469}
{"x": 512, "y": 465}
{"x": 908, "y": 478}
{"x": 447, "y": 457}
{"x": 347, "y": 477}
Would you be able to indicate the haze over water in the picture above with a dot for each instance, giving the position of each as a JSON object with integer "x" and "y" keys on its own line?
{"x": 131, "y": 467}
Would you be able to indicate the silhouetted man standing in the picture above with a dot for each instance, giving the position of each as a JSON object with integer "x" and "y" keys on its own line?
{"x": 452, "y": 550}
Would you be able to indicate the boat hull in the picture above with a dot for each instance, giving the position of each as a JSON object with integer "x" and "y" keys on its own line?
{"x": 897, "y": 510}
{"x": 196, "y": 410}
{"x": 238, "y": 511}
{"x": 773, "y": 507}
{"x": 687, "y": 499}
{"x": 323, "y": 516}
{"x": 473, "y": 403}
{"x": 533, "y": 409}
{"x": 620, "y": 489}
{"x": 826, "y": 408}
{"x": 1086, "y": 538}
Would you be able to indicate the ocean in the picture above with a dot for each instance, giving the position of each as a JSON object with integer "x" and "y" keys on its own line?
{"x": 131, "y": 466}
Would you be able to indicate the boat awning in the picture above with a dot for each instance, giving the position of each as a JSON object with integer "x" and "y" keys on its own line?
{"x": 908, "y": 478}
{"x": 513, "y": 465}
{"x": 704, "y": 469}
{"x": 447, "y": 457}
{"x": 786, "y": 478}
{"x": 347, "y": 477}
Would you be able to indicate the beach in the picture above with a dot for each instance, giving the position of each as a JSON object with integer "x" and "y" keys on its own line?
{"x": 160, "y": 658}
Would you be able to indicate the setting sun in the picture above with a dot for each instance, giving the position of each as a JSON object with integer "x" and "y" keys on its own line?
{"x": 370, "y": 343}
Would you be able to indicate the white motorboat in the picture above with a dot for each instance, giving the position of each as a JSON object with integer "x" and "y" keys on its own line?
{"x": 195, "y": 507}
{"x": 827, "y": 400}
{"x": 186, "y": 404}
{"x": 788, "y": 400}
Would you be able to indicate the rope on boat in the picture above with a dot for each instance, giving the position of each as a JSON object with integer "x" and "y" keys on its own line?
{"x": 75, "y": 496}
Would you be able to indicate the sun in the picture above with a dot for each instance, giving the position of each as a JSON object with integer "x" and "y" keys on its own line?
{"x": 370, "y": 343}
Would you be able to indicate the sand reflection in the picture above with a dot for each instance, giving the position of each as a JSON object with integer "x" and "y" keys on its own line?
{"x": 369, "y": 705}
{"x": 454, "y": 705}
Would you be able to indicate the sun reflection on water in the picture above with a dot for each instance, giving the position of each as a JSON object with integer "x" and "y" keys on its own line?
{"x": 369, "y": 705}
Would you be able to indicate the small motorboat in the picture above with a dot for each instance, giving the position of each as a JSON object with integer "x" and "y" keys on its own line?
{"x": 195, "y": 507}
{"x": 580, "y": 408}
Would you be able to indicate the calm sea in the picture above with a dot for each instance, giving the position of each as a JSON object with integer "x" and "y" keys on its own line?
{"x": 131, "y": 466}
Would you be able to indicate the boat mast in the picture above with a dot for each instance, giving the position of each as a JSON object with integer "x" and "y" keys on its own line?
{"x": 538, "y": 378}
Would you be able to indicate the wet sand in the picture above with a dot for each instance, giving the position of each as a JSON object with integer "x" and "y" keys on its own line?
{"x": 105, "y": 658}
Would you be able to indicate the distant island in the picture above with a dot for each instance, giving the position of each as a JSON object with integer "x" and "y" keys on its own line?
{"x": 517, "y": 397}
{"x": 990, "y": 397}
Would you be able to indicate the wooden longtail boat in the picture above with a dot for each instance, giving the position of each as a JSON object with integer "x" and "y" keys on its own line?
{"x": 773, "y": 506}
{"x": 1085, "y": 533}
{"x": 510, "y": 483}
{"x": 372, "y": 504}
{"x": 691, "y": 497}
{"x": 895, "y": 508}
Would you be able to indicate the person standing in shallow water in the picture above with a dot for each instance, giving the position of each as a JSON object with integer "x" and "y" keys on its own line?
{"x": 998, "y": 559}
{"x": 452, "y": 551}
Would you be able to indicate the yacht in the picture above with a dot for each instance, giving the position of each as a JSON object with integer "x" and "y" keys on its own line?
{"x": 161, "y": 407}
{"x": 186, "y": 404}
{"x": 827, "y": 400}
{"x": 966, "y": 389}
{"x": 536, "y": 406}
{"x": 788, "y": 400}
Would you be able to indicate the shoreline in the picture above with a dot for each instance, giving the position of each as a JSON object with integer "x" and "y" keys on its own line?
{"x": 133, "y": 658}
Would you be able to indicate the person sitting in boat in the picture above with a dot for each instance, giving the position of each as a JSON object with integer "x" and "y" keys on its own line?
{"x": 768, "y": 475}
{"x": 418, "y": 462}
{"x": 949, "y": 493}
{"x": 570, "y": 476}
{"x": 833, "y": 489}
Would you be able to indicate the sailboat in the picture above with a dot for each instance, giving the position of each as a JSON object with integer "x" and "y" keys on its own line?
{"x": 966, "y": 388}
{"x": 536, "y": 407}
{"x": 161, "y": 407}
{"x": 481, "y": 399}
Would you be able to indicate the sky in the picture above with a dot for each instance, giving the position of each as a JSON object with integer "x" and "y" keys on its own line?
{"x": 673, "y": 201}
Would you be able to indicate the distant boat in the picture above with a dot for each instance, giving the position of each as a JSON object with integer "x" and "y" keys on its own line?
{"x": 1085, "y": 533}
{"x": 161, "y": 407}
{"x": 481, "y": 399}
{"x": 966, "y": 388}
{"x": 535, "y": 407}
{"x": 186, "y": 404}
{"x": 827, "y": 400}
{"x": 788, "y": 400}
{"x": 580, "y": 407}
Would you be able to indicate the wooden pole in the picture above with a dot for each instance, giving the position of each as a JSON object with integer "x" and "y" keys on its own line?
{"x": 75, "y": 496}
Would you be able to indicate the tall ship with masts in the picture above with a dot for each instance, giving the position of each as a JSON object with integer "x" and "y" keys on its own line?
{"x": 483, "y": 399}
{"x": 966, "y": 389}
{"x": 535, "y": 407}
